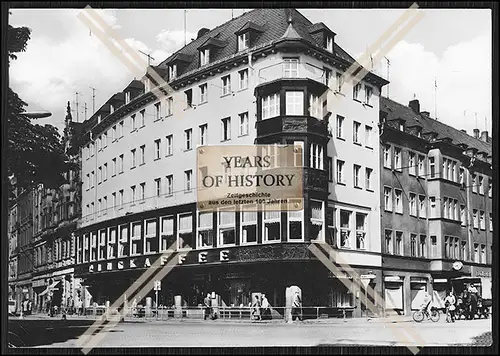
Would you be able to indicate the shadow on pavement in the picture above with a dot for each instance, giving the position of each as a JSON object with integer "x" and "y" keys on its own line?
{"x": 29, "y": 333}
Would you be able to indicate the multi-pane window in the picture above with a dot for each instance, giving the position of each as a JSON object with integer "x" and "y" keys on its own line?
{"x": 112, "y": 242}
{"x": 388, "y": 242}
{"x": 422, "y": 207}
{"x": 434, "y": 249}
{"x": 170, "y": 185}
{"x": 158, "y": 111}
{"x": 398, "y": 200}
{"x": 387, "y": 156}
{"x": 340, "y": 172}
{"x": 295, "y": 219}
{"x": 170, "y": 106}
{"x": 102, "y": 244}
{"x": 294, "y": 103}
{"x": 143, "y": 117}
{"x": 413, "y": 204}
{"x": 243, "y": 79}
{"x": 360, "y": 231}
{"x": 249, "y": 227}
{"x": 270, "y": 106}
{"x": 483, "y": 254}
{"x": 188, "y": 97}
{"x": 315, "y": 106}
{"x": 143, "y": 153}
{"x": 422, "y": 246}
{"x": 132, "y": 162}
{"x": 481, "y": 186}
{"x": 387, "y": 199}
{"x": 167, "y": 237}
{"x": 185, "y": 231}
{"x": 243, "y": 124}
{"x": 397, "y": 158}
{"x": 475, "y": 218}
{"x": 188, "y": 135}
{"x": 172, "y": 71}
{"x": 132, "y": 194}
{"x": 226, "y": 129}
{"x": 226, "y": 85}
{"x": 482, "y": 222}
{"x": 355, "y": 132}
{"x": 474, "y": 183}
{"x": 413, "y": 245}
{"x": 316, "y": 156}
{"x": 150, "y": 236}
{"x": 123, "y": 241}
{"x": 329, "y": 44}
{"x": 445, "y": 208}
{"x": 368, "y": 178}
{"x": 340, "y": 81}
{"x": 345, "y": 229}
{"x": 463, "y": 216}
{"x": 399, "y": 243}
{"x": 355, "y": 91}
{"x": 272, "y": 225}
{"x": 243, "y": 41}
{"x": 356, "y": 172}
{"x": 121, "y": 163}
{"x": 476, "y": 253}
{"x": 368, "y": 94}
{"x": 187, "y": 180}
{"x": 204, "y": 56}
{"x": 290, "y": 67}
{"x": 203, "y": 134}
{"x": 432, "y": 204}
{"x": 421, "y": 166}
{"x": 432, "y": 167}
{"x": 157, "y": 149}
{"x": 368, "y": 136}
{"x": 135, "y": 238}
{"x": 412, "y": 164}
{"x": 317, "y": 220}
{"x": 327, "y": 76}
{"x": 143, "y": 191}
{"x": 205, "y": 230}
{"x": 203, "y": 93}
{"x": 340, "y": 128}
{"x": 169, "y": 142}
{"x": 227, "y": 227}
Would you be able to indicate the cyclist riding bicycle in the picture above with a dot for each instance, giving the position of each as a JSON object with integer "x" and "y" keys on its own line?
{"x": 426, "y": 306}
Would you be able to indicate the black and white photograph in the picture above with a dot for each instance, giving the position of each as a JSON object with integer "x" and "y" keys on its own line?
{"x": 180, "y": 177}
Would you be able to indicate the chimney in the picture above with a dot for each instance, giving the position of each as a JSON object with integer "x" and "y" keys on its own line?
{"x": 425, "y": 114}
{"x": 476, "y": 133}
{"x": 464, "y": 131}
{"x": 415, "y": 105}
{"x": 484, "y": 136}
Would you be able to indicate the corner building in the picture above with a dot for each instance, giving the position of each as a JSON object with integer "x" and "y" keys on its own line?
{"x": 257, "y": 79}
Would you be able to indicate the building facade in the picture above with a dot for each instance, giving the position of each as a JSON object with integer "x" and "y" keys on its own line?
{"x": 257, "y": 79}
{"x": 436, "y": 194}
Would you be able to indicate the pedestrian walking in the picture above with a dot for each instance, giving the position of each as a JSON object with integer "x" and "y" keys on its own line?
{"x": 297, "y": 307}
{"x": 208, "y": 306}
{"x": 449, "y": 302}
{"x": 266, "y": 311}
{"x": 256, "y": 308}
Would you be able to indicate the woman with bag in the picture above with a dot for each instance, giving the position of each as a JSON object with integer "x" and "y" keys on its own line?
{"x": 450, "y": 307}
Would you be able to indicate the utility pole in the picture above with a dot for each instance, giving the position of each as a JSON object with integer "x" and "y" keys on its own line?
{"x": 93, "y": 99}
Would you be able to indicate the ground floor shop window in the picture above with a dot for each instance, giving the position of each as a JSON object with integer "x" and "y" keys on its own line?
{"x": 167, "y": 233}
{"x": 237, "y": 293}
{"x": 417, "y": 289}
{"x": 185, "y": 231}
{"x": 341, "y": 296}
{"x": 393, "y": 296}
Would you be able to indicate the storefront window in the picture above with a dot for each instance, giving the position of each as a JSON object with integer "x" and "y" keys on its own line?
{"x": 167, "y": 233}
{"x": 185, "y": 231}
{"x": 205, "y": 230}
{"x": 341, "y": 297}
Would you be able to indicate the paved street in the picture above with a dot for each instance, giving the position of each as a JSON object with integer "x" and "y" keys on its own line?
{"x": 332, "y": 332}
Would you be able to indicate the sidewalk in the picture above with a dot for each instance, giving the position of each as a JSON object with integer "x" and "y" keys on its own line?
{"x": 360, "y": 320}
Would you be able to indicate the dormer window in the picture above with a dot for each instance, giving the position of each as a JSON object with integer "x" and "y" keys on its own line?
{"x": 401, "y": 126}
{"x": 147, "y": 85}
{"x": 329, "y": 44}
{"x": 111, "y": 109}
{"x": 127, "y": 97}
{"x": 243, "y": 41}
{"x": 189, "y": 98}
{"x": 98, "y": 119}
{"x": 204, "y": 56}
{"x": 172, "y": 71}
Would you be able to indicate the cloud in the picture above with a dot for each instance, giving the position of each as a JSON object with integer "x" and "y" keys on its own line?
{"x": 173, "y": 40}
{"x": 463, "y": 75}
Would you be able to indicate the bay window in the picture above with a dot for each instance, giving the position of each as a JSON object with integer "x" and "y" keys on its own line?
{"x": 294, "y": 103}
{"x": 317, "y": 220}
{"x": 316, "y": 156}
{"x": 270, "y": 106}
{"x": 290, "y": 67}
{"x": 295, "y": 225}
{"x": 315, "y": 107}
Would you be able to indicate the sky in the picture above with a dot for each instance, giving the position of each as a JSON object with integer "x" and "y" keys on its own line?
{"x": 450, "y": 48}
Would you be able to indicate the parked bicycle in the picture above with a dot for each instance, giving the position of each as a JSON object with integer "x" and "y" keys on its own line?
{"x": 420, "y": 315}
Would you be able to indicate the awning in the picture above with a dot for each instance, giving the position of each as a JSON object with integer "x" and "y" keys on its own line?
{"x": 49, "y": 288}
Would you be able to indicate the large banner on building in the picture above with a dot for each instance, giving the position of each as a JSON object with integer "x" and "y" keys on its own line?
{"x": 250, "y": 178}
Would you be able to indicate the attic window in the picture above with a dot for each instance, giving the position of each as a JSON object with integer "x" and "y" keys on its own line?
{"x": 172, "y": 71}
{"x": 127, "y": 97}
{"x": 98, "y": 119}
{"x": 243, "y": 41}
{"x": 204, "y": 56}
{"x": 329, "y": 44}
{"x": 111, "y": 108}
{"x": 401, "y": 126}
{"x": 147, "y": 85}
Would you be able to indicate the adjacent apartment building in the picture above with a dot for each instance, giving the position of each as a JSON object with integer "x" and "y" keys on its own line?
{"x": 257, "y": 79}
{"x": 436, "y": 205}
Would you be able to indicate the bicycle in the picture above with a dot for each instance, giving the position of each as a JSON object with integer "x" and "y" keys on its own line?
{"x": 419, "y": 315}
